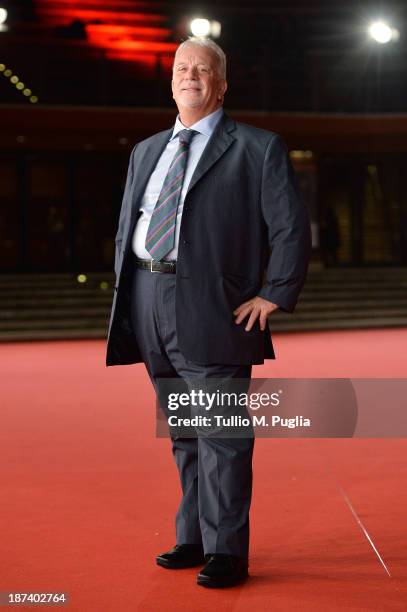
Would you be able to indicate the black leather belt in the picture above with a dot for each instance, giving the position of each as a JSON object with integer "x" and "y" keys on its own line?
{"x": 163, "y": 267}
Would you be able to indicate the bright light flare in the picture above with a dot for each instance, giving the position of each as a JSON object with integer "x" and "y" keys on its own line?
{"x": 381, "y": 32}
{"x": 200, "y": 27}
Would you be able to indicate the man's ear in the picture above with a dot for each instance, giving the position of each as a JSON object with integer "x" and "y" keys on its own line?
{"x": 222, "y": 89}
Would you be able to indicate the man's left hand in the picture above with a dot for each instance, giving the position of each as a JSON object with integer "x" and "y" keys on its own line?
{"x": 257, "y": 307}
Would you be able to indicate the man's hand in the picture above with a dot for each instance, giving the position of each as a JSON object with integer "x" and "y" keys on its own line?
{"x": 256, "y": 307}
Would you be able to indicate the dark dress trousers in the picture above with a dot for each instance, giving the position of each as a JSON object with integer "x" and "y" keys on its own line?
{"x": 244, "y": 232}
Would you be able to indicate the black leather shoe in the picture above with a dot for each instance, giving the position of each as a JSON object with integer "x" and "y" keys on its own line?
{"x": 182, "y": 556}
{"x": 223, "y": 571}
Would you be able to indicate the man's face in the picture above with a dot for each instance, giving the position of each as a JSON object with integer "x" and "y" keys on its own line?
{"x": 196, "y": 84}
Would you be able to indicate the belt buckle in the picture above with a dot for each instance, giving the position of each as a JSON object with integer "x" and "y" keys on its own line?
{"x": 152, "y": 267}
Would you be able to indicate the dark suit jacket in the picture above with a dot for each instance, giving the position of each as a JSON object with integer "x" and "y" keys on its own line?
{"x": 244, "y": 232}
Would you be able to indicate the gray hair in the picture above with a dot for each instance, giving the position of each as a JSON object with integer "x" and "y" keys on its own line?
{"x": 209, "y": 44}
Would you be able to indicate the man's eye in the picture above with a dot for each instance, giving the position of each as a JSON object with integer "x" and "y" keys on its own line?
{"x": 181, "y": 69}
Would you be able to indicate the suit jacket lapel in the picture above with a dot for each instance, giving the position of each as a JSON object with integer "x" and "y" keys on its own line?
{"x": 146, "y": 166}
{"x": 217, "y": 145}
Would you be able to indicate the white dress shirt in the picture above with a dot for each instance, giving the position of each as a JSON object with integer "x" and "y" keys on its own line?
{"x": 205, "y": 128}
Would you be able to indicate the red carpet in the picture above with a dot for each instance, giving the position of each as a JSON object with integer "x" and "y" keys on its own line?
{"x": 89, "y": 494}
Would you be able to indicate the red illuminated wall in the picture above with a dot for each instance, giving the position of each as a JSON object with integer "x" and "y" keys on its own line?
{"x": 124, "y": 29}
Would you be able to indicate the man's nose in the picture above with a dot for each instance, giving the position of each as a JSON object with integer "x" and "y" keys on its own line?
{"x": 192, "y": 72}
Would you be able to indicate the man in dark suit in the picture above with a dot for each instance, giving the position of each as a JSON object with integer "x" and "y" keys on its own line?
{"x": 212, "y": 239}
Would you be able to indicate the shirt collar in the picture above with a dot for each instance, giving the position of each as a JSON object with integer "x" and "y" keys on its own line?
{"x": 204, "y": 126}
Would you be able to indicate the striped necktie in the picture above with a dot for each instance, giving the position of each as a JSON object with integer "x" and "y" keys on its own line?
{"x": 161, "y": 230}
